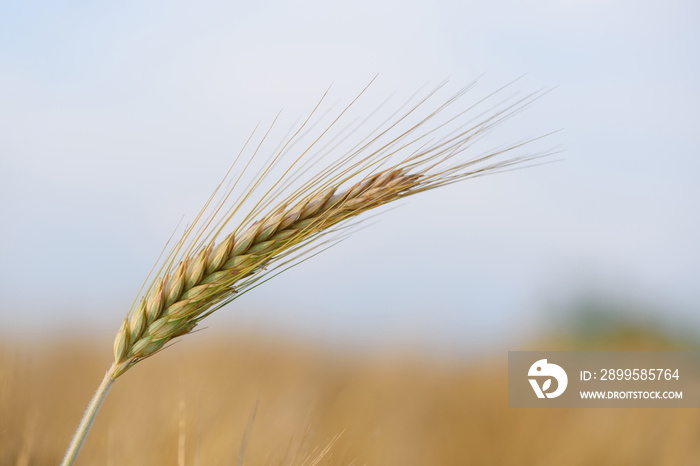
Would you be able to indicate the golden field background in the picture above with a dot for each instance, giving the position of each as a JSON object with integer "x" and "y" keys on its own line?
{"x": 193, "y": 405}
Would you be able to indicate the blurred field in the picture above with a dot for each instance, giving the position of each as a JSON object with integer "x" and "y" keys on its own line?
{"x": 314, "y": 406}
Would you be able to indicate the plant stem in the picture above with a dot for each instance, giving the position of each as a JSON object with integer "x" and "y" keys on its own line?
{"x": 88, "y": 419}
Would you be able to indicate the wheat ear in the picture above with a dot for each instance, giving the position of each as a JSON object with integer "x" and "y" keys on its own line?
{"x": 202, "y": 273}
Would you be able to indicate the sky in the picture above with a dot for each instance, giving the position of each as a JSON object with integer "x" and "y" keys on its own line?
{"x": 118, "y": 119}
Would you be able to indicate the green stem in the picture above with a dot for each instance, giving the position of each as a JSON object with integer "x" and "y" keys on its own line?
{"x": 88, "y": 418}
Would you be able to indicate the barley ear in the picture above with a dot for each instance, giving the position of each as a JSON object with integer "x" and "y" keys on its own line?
{"x": 277, "y": 223}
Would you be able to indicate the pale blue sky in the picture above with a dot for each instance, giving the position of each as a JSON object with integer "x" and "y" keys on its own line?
{"x": 117, "y": 119}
